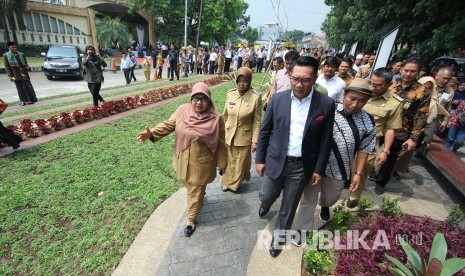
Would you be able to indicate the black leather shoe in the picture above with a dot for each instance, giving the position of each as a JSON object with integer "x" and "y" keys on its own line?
{"x": 379, "y": 190}
{"x": 189, "y": 230}
{"x": 247, "y": 177}
{"x": 263, "y": 210}
{"x": 352, "y": 203}
{"x": 324, "y": 214}
{"x": 298, "y": 240}
{"x": 275, "y": 249}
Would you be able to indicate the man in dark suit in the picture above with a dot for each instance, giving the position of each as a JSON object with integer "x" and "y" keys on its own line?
{"x": 293, "y": 145}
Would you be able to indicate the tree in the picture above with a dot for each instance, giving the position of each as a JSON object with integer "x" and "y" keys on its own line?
{"x": 111, "y": 31}
{"x": 432, "y": 27}
{"x": 221, "y": 19}
{"x": 251, "y": 35}
{"x": 8, "y": 8}
{"x": 295, "y": 35}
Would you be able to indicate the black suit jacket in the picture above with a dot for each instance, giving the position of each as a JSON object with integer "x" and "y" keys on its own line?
{"x": 273, "y": 139}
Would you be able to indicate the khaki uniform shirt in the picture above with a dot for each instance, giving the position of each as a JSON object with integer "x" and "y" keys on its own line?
{"x": 196, "y": 165}
{"x": 347, "y": 79}
{"x": 242, "y": 115}
{"x": 386, "y": 110}
{"x": 415, "y": 108}
{"x": 364, "y": 71}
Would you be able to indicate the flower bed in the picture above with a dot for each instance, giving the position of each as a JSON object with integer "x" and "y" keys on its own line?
{"x": 380, "y": 233}
{"x": 29, "y": 129}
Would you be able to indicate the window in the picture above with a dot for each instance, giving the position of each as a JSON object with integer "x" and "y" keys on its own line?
{"x": 23, "y": 36}
{"x": 71, "y": 39}
{"x": 56, "y": 39}
{"x": 46, "y": 23}
{"x": 48, "y": 39}
{"x": 32, "y": 37}
{"x": 69, "y": 29}
{"x": 61, "y": 24}
{"x": 53, "y": 20}
{"x": 28, "y": 19}
{"x": 40, "y": 38}
{"x": 85, "y": 40}
{"x": 21, "y": 25}
{"x": 37, "y": 22}
{"x": 77, "y": 31}
{"x": 64, "y": 39}
{"x": 77, "y": 40}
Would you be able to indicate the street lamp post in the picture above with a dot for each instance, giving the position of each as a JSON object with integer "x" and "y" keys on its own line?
{"x": 185, "y": 24}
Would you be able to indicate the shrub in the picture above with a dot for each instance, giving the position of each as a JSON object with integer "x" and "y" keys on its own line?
{"x": 390, "y": 207}
{"x": 319, "y": 262}
{"x": 78, "y": 117}
{"x": 363, "y": 204}
{"x": 42, "y": 125}
{"x": 455, "y": 217}
{"x": 65, "y": 118}
{"x": 342, "y": 219}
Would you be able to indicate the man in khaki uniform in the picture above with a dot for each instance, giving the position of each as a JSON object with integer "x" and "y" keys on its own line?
{"x": 242, "y": 115}
{"x": 364, "y": 71}
{"x": 386, "y": 109}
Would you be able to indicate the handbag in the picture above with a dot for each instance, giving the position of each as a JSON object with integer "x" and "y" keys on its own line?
{"x": 103, "y": 78}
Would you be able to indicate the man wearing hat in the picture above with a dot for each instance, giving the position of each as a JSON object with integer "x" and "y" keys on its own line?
{"x": 358, "y": 62}
{"x": 353, "y": 133}
{"x": 17, "y": 69}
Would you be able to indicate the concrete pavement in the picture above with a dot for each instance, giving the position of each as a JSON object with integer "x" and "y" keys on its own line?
{"x": 228, "y": 239}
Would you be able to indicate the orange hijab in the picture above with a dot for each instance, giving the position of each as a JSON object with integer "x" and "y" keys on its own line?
{"x": 194, "y": 125}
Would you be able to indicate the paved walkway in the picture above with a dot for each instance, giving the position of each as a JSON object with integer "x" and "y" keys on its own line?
{"x": 229, "y": 240}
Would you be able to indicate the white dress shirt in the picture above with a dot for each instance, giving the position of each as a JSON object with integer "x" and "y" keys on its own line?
{"x": 299, "y": 114}
{"x": 213, "y": 56}
{"x": 335, "y": 87}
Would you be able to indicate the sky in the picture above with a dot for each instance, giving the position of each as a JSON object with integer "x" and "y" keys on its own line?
{"x": 305, "y": 15}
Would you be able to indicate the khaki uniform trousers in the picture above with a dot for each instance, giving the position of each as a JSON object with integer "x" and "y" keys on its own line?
{"x": 195, "y": 196}
{"x": 309, "y": 199}
{"x": 147, "y": 75}
{"x": 220, "y": 69}
{"x": 367, "y": 169}
{"x": 239, "y": 162}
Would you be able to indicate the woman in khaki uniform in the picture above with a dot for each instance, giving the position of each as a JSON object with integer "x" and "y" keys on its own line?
{"x": 199, "y": 147}
{"x": 242, "y": 115}
{"x": 221, "y": 60}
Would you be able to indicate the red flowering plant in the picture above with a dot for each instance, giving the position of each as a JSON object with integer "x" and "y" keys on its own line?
{"x": 88, "y": 114}
{"x": 27, "y": 128}
{"x": 43, "y": 126}
{"x": 66, "y": 119}
{"x": 78, "y": 117}
{"x": 142, "y": 100}
{"x": 55, "y": 123}
{"x": 14, "y": 129}
{"x": 97, "y": 112}
{"x": 107, "y": 109}
{"x": 131, "y": 102}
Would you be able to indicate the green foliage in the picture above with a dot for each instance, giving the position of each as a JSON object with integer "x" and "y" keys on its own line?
{"x": 435, "y": 27}
{"x": 455, "y": 217}
{"x": 251, "y": 34}
{"x": 436, "y": 264}
{"x": 363, "y": 204}
{"x": 390, "y": 207}
{"x": 221, "y": 19}
{"x": 111, "y": 31}
{"x": 341, "y": 220}
{"x": 319, "y": 262}
{"x": 75, "y": 204}
{"x": 295, "y": 35}
{"x": 9, "y": 6}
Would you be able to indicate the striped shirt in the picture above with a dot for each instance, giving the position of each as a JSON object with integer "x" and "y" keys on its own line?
{"x": 351, "y": 133}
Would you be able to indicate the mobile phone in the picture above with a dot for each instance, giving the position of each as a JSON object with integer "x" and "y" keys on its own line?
{"x": 404, "y": 147}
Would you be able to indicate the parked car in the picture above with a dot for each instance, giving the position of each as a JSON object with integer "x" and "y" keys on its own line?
{"x": 63, "y": 61}
{"x": 457, "y": 63}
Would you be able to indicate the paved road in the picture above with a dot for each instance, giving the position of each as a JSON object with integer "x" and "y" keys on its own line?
{"x": 46, "y": 88}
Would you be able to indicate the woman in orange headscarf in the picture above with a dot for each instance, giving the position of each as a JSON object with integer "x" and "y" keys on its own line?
{"x": 199, "y": 147}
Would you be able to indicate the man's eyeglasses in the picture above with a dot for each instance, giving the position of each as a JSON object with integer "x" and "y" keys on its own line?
{"x": 377, "y": 85}
{"x": 199, "y": 99}
{"x": 302, "y": 81}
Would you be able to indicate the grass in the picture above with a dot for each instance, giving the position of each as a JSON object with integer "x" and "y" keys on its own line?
{"x": 32, "y": 61}
{"x": 87, "y": 101}
{"x": 74, "y": 205}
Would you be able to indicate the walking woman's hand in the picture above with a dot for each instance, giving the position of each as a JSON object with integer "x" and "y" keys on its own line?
{"x": 253, "y": 147}
{"x": 143, "y": 136}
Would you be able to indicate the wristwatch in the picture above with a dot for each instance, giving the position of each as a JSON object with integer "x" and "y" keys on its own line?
{"x": 386, "y": 152}
{"x": 359, "y": 173}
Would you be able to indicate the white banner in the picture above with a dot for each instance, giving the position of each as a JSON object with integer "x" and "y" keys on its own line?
{"x": 353, "y": 49}
{"x": 385, "y": 49}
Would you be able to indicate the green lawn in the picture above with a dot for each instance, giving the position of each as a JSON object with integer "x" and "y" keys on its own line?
{"x": 74, "y": 205}
{"x": 32, "y": 61}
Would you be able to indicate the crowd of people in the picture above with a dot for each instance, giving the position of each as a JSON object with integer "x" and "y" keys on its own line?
{"x": 330, "y": 122}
